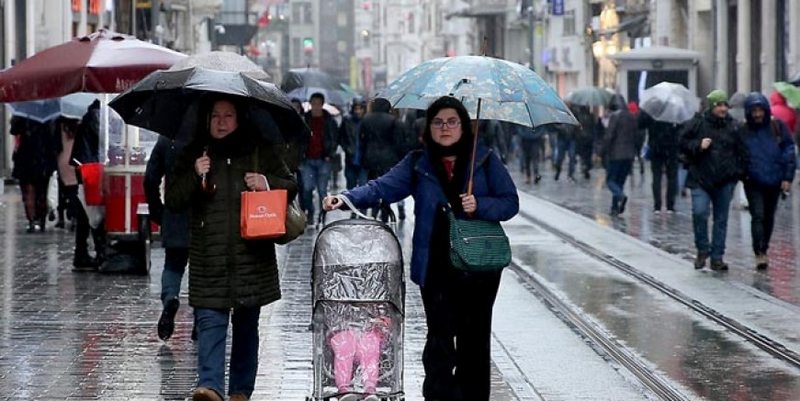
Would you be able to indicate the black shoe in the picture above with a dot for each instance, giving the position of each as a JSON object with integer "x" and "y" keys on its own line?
{"x": 586, "y": 175}
{"x": 83, "y": 262}
{"x": 718, "y": 265}
{"x": 700, "y": 260}
{"x": 166, "y": 323}
{"x": 31, "y": 227}
{"x": 60, "y": 224}
{"x": 51, "y": 216}
{"x": 558, "y": 173}
{"x": 537, "y": 178}
{"x": 622, "y": 204}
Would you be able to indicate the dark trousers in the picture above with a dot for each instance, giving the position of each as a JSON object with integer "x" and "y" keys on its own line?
{"x": 583, "y": 147}
{"x": 458, "y": 312}
{"x": 617, "y": 172}
{"x": 530, "y": 156}
{"x": 82, "y": 227}
{"x": 762, "y": 202}
{"x": 661, "y": 165}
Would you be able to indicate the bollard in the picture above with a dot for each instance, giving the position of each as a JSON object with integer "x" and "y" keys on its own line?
{"x": 143, "y": 220}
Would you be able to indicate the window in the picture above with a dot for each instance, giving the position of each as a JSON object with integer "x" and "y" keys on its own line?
{"x": 302, "y": 13}
{"x": 569, "y": 23}
{"x": 297, "y": 51}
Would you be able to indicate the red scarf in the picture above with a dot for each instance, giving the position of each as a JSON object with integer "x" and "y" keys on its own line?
{"x": 449, "y": 168}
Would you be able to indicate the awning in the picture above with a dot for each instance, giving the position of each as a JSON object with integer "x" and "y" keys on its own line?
{"x": 657, "y": 52}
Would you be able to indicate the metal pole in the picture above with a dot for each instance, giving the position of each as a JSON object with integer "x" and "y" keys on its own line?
{"x": 531, "y": 39}
{"x": 133, "y": 17}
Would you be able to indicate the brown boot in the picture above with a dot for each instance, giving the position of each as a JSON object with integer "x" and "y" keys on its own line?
{"x": 206, "y": 394}
{"x": 238, "y": 397}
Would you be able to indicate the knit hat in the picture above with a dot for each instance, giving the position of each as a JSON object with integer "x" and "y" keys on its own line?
{"x": 716, "y": 97}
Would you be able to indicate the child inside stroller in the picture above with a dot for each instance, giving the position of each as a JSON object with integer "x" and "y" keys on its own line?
{"x": 357, "y": 316}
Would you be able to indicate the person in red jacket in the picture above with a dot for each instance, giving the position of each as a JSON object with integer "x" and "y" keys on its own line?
{"x": 782, "y": 111}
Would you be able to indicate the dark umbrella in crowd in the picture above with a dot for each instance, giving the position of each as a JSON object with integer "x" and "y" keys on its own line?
{"x": 591, "y": 96}
{"x": 72, "y": 106}
{"x": 102, "y": 62}
{"x": 162, "y": 101}
{"x": 304, "y": 82}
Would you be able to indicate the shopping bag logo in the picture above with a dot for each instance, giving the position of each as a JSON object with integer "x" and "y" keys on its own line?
{"x": 263, "y": 214}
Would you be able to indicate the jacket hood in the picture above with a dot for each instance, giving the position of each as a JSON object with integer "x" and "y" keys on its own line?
{"x": 777, "y": 99}
{"x": 754, "y": 100}
{"x": 617, "y": 102}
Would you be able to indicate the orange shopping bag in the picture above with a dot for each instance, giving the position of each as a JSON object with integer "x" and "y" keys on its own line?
{"x": 263, "y": 214}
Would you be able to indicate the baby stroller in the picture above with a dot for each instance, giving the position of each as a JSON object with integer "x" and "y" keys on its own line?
{"x": 357, "y": 312}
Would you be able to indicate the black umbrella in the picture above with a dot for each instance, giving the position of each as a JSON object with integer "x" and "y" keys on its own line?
{"x": 166, "y": 101}
{"x": 308, "y": 77}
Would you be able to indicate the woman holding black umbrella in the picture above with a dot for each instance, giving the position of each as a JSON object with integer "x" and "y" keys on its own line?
{"x": 230, "y": 278}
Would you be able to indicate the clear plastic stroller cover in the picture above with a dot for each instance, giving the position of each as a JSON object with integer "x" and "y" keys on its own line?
{"x": 358, "y": 310}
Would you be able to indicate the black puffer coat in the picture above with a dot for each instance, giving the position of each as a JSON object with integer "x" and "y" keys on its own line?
{"x": 226, "y": 271}
{"x": 723, "y": 162}
{"x": 381, "y": 137}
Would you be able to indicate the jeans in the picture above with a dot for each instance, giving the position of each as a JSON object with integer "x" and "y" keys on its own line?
{"x": 702, "y": 202}
{"x": 354, "y": 175}
{"x": 566, "y": 147}
{"x": 762, "y": 202}
{"x": 669, "y": 165}
{"x": 212, "y": 328}
{"x": 617, "y": 172}
{"x": 175, "y": 260}
{"x": 316, "y": 173}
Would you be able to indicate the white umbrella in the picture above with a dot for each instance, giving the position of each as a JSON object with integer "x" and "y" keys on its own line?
{"x": 669, "y": 102}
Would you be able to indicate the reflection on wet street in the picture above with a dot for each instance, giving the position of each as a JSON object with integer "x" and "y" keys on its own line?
{"x": 697, "y": 354}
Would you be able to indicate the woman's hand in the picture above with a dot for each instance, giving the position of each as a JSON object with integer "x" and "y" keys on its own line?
{"x": 256, "y": 182}
{"x": 202, "y": 165}
{"x": 468, "y": 203}
{"x": 332, "y": 202}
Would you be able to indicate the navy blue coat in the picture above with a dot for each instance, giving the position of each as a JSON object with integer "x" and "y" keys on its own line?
{"x": 769, "y": 145}
{"x": 494, "y": 191}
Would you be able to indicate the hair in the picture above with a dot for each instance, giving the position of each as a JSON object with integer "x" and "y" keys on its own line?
{"x": 464, "y": 145}
{"x": 317, "y": 95}
{"x": 296, "y": 101}
{"x": 381, "y": 105}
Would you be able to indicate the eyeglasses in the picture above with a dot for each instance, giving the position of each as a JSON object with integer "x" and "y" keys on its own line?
{"x": 452, "y": 123}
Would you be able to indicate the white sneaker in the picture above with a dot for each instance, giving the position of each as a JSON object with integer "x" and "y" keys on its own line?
{"x": 372, "y": 397}
{"x": 349, "y": 397}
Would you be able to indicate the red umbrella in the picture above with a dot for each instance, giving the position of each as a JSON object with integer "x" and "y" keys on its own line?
{"x": 102, "y": 62}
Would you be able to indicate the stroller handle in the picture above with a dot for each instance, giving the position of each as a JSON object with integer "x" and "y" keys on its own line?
{"x": 350, "y": 206}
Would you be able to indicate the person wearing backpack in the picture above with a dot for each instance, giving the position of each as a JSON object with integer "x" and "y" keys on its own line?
{"x": 770, "y": 170}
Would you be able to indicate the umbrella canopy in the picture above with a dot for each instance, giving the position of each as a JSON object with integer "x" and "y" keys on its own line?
{"x": 308, "y": 77}
{"x": 304, "y": 94}
{"x": 164, "y": 99}
{"x": 223, "y": 61}
{"x": 103, "y": 62}
{"x": 72, "y": 106}
{"x": 591, "y": 96}
{"x": 507, "y": 91}
{"x": 669, "y": 102}
{"x": 790, "y": 92}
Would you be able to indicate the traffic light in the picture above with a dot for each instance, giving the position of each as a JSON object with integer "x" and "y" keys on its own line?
{"x": 308, "y": 45}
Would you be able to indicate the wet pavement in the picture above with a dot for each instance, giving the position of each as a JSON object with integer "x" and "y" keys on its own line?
{"x": 673, "y": 232}
{"x": 81, "y": 336}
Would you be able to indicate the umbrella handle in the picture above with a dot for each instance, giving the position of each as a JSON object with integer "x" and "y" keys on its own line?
{"x": 475, "y": 128}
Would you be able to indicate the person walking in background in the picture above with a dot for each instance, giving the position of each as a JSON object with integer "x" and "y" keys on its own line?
{"x": 770, "y": 170}
{"x": 566, "y": 135}
{"x": 640, "y": 138}
{"x": 34, "y": 160}
{"x": 350, "y": 141}
{"x": 584, "y": 141}
{"x": 458, "y": 304}
{"x": 716, "y": 156}
{"x": 230, "y": 278}
{"x": 618, "y": 151}
{"x": 86, "y": 149}
{"x": 318, "y": 152}
{"x": 782, "y": 111}
{"x": 531, "y": 142}
{"x": 174, "y": 232}
{"x": 662, "y": 142}
{"x": 381, "y": 134}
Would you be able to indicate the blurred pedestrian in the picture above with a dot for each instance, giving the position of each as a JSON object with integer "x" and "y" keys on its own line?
{"x": 662, "y": 145}
{"x": 381, "y": 134}
{"x": 174, "y": 231}
{"x": 458, "y": 304}
{"x": 782, "y": 111}
{"x": 350, "y": 142}
{"x": 640, "y": 137}
{"x": 716, "y": 156}
{"x": 770, "y": 171}
{"x": 86, "y": 149}
{"x": 584, "y": 141}
{"x": 566, "y": 143}
{"x": 34, "y": 158}
{"x": 66, "y": 128}
{"x": 230, "y": 278}
{"x": 618, "y": 151}
{"x": 531, "y": 142}
{"x": 320, "y": 149}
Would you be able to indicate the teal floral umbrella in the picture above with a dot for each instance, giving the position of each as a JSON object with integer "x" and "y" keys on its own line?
{"x": 491, "y": 89}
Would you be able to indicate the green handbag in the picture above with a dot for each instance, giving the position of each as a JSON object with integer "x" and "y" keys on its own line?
{"x": 477, "y": 245}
